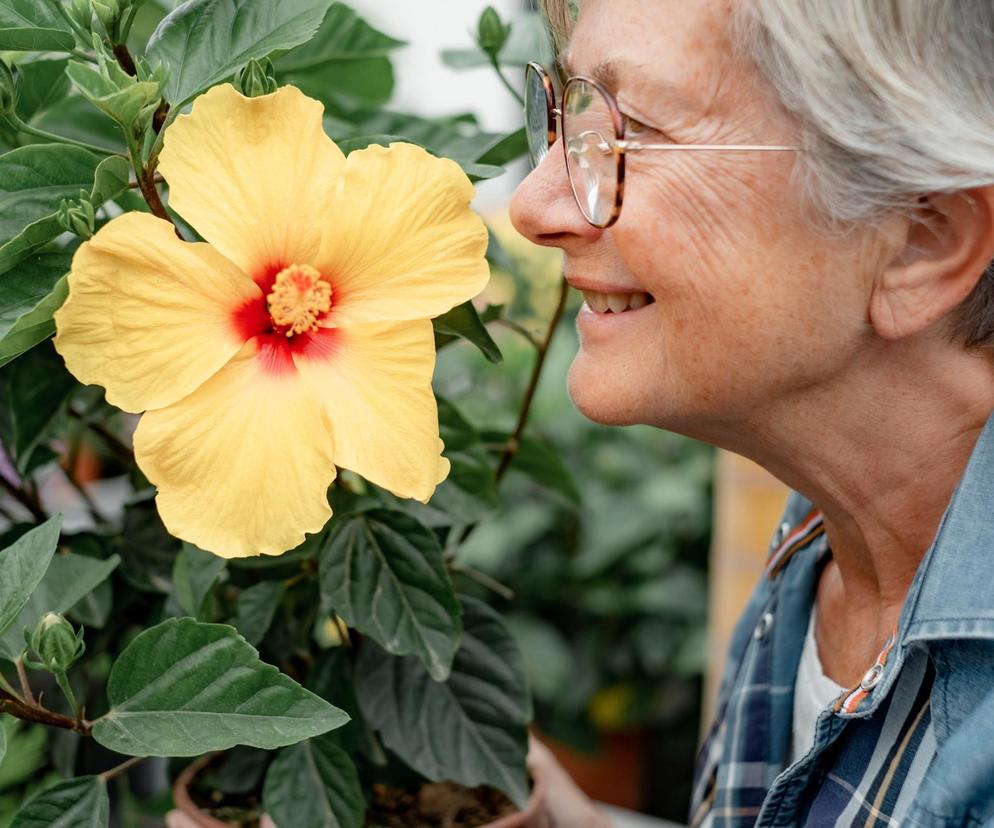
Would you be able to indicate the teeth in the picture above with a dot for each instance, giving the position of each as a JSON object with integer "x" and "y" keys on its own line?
{"x": 615, "y": 302}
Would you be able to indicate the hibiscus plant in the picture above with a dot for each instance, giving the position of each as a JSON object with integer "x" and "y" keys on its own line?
{"x": 233, "y": 505}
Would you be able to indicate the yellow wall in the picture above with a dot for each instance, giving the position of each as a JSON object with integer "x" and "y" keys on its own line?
{"x": 747, "y": 505}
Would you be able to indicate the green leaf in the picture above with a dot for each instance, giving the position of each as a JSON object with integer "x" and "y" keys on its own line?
{"x": 23, "y": 322}
{"x": 121, "y": 99}
{"x": 345, "y": 65}
{"x": 384, "y": 574}
{"x": 34, "y": 392}
{"x": 540, "y": 461}
{"x": 205, "y": 41}
{"x": 22, "y": 567}
{"x": 194, "y": 573}
{"x": 32, "y": 25}
{"x": 472, "y": 728}
{"x": 34, "y": 179}
{"x": 69, "y": 578}
{"x": 94, "y": 608}
{"x": 75, "y": 117}
{"x": 314, "y": 785}
{"x": 183, "y": 688}
{"x": 3, "y": 743}
{"x": 41, "y": 84}
{"x": 256, "y": 608}
{"x": 464, "y": 322}
{"x": 75, "y": 803}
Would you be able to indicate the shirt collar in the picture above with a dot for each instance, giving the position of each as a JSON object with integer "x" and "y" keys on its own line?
{"x": 952, "y": 595}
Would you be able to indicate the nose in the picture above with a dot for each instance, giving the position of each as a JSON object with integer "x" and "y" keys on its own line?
{"x": 543, "y": 209}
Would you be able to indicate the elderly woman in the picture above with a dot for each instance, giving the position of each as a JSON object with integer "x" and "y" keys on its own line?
{"x": 781, "y": 214}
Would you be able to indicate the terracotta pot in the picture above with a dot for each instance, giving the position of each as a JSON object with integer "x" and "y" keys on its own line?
{"x": 189, "y": 815}
{"x": 615, "y": 774}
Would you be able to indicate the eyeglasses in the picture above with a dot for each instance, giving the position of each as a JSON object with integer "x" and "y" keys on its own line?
{"x": 593, "y": 140}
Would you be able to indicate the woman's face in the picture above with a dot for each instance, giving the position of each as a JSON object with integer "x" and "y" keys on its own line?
{"x": 751, "y": 305}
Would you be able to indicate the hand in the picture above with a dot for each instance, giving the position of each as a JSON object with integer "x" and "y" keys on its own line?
{"x": 563, "y": 804}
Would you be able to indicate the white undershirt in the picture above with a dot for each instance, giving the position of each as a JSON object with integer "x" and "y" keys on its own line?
{"x": 813, "y": 692}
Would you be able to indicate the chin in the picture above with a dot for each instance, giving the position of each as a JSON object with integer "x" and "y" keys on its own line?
{"x": 606, "y": 397}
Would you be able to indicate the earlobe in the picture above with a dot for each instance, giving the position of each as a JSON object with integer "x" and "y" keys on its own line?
{"x": 950, "y": 242}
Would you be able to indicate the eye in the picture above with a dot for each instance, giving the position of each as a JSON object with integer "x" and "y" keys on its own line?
{"x": 633, "y": 126}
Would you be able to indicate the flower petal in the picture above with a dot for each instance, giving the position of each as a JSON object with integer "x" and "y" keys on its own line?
{"x": 244, "y": 463}
{"x": 252, "y": 175}
{"x": 404, "y": 243}
{"x": 149, "y": 316}
{"x": 375, "y": 382}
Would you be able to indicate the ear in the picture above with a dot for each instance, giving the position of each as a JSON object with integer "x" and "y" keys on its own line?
{"x": 949, "y": 244}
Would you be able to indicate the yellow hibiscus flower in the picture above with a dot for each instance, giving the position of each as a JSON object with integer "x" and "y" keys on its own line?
{"x": 297, "y": 339}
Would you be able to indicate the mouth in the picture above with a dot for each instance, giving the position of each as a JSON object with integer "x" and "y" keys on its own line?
{"x": 616, "y": 303}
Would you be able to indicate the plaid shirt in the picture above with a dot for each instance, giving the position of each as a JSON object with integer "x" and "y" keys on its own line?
{"x": 913, "y": 743}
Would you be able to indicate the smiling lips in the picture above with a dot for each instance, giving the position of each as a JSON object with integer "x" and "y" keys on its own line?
{"x": 600, "y": 302}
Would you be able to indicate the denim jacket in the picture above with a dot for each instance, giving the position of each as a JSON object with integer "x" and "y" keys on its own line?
{"x": 913, "y": 744}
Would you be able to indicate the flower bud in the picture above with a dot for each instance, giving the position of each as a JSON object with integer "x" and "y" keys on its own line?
{"x": 56, "y": 643}
{"x": 108, "y": 12}
{"x": 257, "y": 78}
{"x": 8, "y": 88}
{"x": 491, "y": 32}
{"x": 77, "y": 216}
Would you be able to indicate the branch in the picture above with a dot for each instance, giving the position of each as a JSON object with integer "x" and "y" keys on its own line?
{"x": 515, "y": 438}
{"x": 39, "y": 715}
{"x": 22, "y": 497}
{"x": 117, "y": 770}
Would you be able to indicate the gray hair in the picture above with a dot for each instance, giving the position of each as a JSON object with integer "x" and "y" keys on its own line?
{"x": 894, "y": 98}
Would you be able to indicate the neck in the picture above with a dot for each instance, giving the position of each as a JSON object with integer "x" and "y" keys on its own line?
{"x": 879, "y": 450}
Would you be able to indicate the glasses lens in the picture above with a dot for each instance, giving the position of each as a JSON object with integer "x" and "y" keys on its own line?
{"x": 536, "y": 116}
{"x": 588, "y": 130}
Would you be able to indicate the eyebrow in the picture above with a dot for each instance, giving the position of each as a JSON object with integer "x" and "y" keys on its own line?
{"x": 609, "y": 73}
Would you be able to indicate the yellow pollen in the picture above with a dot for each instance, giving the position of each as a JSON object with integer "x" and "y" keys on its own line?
{"x": 299, "y": 296}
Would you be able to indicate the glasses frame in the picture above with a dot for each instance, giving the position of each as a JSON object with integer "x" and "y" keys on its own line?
{"x": 620, "y": 146}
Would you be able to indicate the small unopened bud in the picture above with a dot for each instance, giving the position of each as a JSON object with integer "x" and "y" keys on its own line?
{"x": 56, "y": 643}
{"x": 108, "y": 12}
{"x": 8, "y": 88}
{"x": 257, "y": 78}
{"x": 82, "y": 13}
{"x": 77, "y": 216}
{"x": 491, "y": 32}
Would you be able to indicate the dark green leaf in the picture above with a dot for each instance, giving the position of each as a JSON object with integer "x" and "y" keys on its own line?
{"x": 194, "y": 573}
{"x": 93, "y": 609}
{"x": 35, "y": 323}
{"x": 507, "y": 149}
{"x": 35, "y": 179}
{"x": 463, "y": 321}
{"x": 472, "y": 728}
{"x": 69, "y": 578}
{"x": 75, "y": 117}
{"x": 345, "y": 65}
{"x": 383, "y": 573}
{"x": 22, "y": 567}
{"x": 34, "y": 392}
{"x": 27, "y": 753}
{"x": 32, "y": 25}
{"x": 75, "y": 803}
{"x": 3, "y": 744}
{"x": 256, "y": 608}
{"x": 183, "y": 688}
{"x": 41, "y": 84}
{"x": 314, "y": 785}
{"x": 205, "y": 41}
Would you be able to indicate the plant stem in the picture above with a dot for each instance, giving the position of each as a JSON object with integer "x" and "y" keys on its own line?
{"x": 78, "y": 30}
{"x": 83, "y": 56}
{"x": 124, "y": 59}
{"x": 113, "y": 442}
{"x": 543, "y": 351}
{"x": 146, "y": 184}
{"x": 483, "y": 579}
{"x": 39, "y": 715}
{"x": 507, "y": 84}
{"x": 63, "y": 681}
{"x": 22, "y": 677}
{"x": 6, "y": 687}
{"x": 84, "y": 495}
{"x": 521, "y": 329}
{"x": 20, "y": 126}
{"x": 22, "y": 497}
{"x": 125, "y": 766}
{"x": 126, "y": 28}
